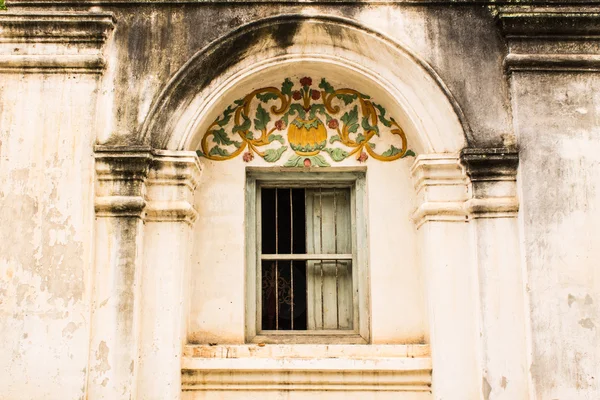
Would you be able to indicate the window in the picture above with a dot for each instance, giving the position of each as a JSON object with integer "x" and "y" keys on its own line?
{"x": 306, "y": 252}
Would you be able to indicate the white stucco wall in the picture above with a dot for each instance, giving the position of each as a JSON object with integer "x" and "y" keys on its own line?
{"x": 46, "y": 203}
{"x": 218, "y": 260}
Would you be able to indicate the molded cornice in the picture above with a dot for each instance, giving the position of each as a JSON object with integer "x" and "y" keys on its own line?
{"x": 53, "y": 42}
{"x": 551, "y": 39}
{"x": 12, "y": 3}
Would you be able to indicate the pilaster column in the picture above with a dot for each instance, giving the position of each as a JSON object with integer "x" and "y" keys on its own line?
{"x": 120, "y": 191}
{"x": 553, "y": 63}
{"x": 493, "y": 209}
{"x": 448, "y": 261}
{"x": 169, "y": 215}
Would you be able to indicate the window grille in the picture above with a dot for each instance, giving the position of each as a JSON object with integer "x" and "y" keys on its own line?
{"x": 306, "y": 257}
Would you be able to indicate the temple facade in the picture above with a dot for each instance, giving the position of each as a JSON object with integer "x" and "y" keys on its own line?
{"x": 210, "y": 199}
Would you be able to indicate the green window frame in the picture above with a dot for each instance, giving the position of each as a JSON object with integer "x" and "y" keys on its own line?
{"x": 348, "y": 187}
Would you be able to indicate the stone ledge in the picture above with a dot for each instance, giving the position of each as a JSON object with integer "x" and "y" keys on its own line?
{"x": 490, "y": 164}
{"x": 54, "y": 42}
{"x": 307, "y": 367}
{"x": 549, "y": 24}
{"x": 536, "y": 39}
{"x": 55, "y": 27}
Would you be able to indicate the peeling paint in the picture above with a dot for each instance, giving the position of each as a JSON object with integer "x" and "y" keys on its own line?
{"x": 102, "y": 357}
{"x": 587, "y": 323}
{"x": 486, "y": 389}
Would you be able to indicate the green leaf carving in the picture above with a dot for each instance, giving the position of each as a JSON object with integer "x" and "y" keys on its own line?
{"x": 350, "y": 119}
{"x": 368, "y": 127}
{"x": 239, "y": 102}
{"x": 337, "y": 154}
{"x": 243, "y": 127}
{"x": 226, "y": 116}
{"x": 279, "y": 138}
{"x": 384, "y": 121}
{"x": 335, "y": 138}
{"x": 326, "y": 86}
{"x": 318, "y": 160}
{"x": 262, "y": 118}
{"x": 294, "y": 161}
{"x": 265, "y": 97}
{"x": 272, "y": 155}
{"x": 297, "y": 109}
{"x": 392, "y": 151}
{"x": 220, "y": 137}
{"x": 409, "y": 153}
{"x": 346, "y": 98}
{"x": 217, "y": 151}
{"x": 317, "y": 108}
{"x": 286, "y": 87}
{"x": 372, "y": 145}
{"x": 306, "y": 125}
{"x": 360, "y": 138}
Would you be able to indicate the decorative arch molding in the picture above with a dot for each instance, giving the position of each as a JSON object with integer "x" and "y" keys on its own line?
{"x": 205, "y": 83}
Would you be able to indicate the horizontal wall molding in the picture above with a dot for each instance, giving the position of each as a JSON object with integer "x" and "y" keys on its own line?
{"x": 52, "y": 64}
{"x": 55, "y": 27}
{"x": 400, "y": 368}
{"x": 452, "y": 3}
{"x": 54, "y": 42}
{"x": 537, "y": 39}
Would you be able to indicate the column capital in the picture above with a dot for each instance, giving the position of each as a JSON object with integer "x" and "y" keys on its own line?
{"x": 490, "y": 164}
{"x": 493, "y": 175}
{"x": 478, "y": 183}
{"x": 156, "y": 185}
{"x": 442, "y": 187}
{"x": 172, "y": 178}
{"x": 120, "y": 181}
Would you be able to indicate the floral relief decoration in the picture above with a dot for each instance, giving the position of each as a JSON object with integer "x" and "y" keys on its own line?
{"x": 339, "y": 122}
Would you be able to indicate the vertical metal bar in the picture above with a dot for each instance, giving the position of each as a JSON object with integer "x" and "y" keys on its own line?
{"x": 276, "y": 263}
{"x": 291, "y": 261}
{"x": 321, "y": 249}
{"x": 306, "y": 263}
{"x": 335, "y": 235}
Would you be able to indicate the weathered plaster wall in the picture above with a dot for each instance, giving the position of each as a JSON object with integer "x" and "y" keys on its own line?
{"x": 46, "y": 164}
{"x": 48, "y": 128}
{"x": 556, "y": 117}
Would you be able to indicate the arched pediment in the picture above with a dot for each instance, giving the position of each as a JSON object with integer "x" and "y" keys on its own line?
{"x": 260, "y": 53}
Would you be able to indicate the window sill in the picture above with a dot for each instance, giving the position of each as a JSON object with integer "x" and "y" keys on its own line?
{"x": 307, "y": 367}
{"x": 308, "y": 337}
